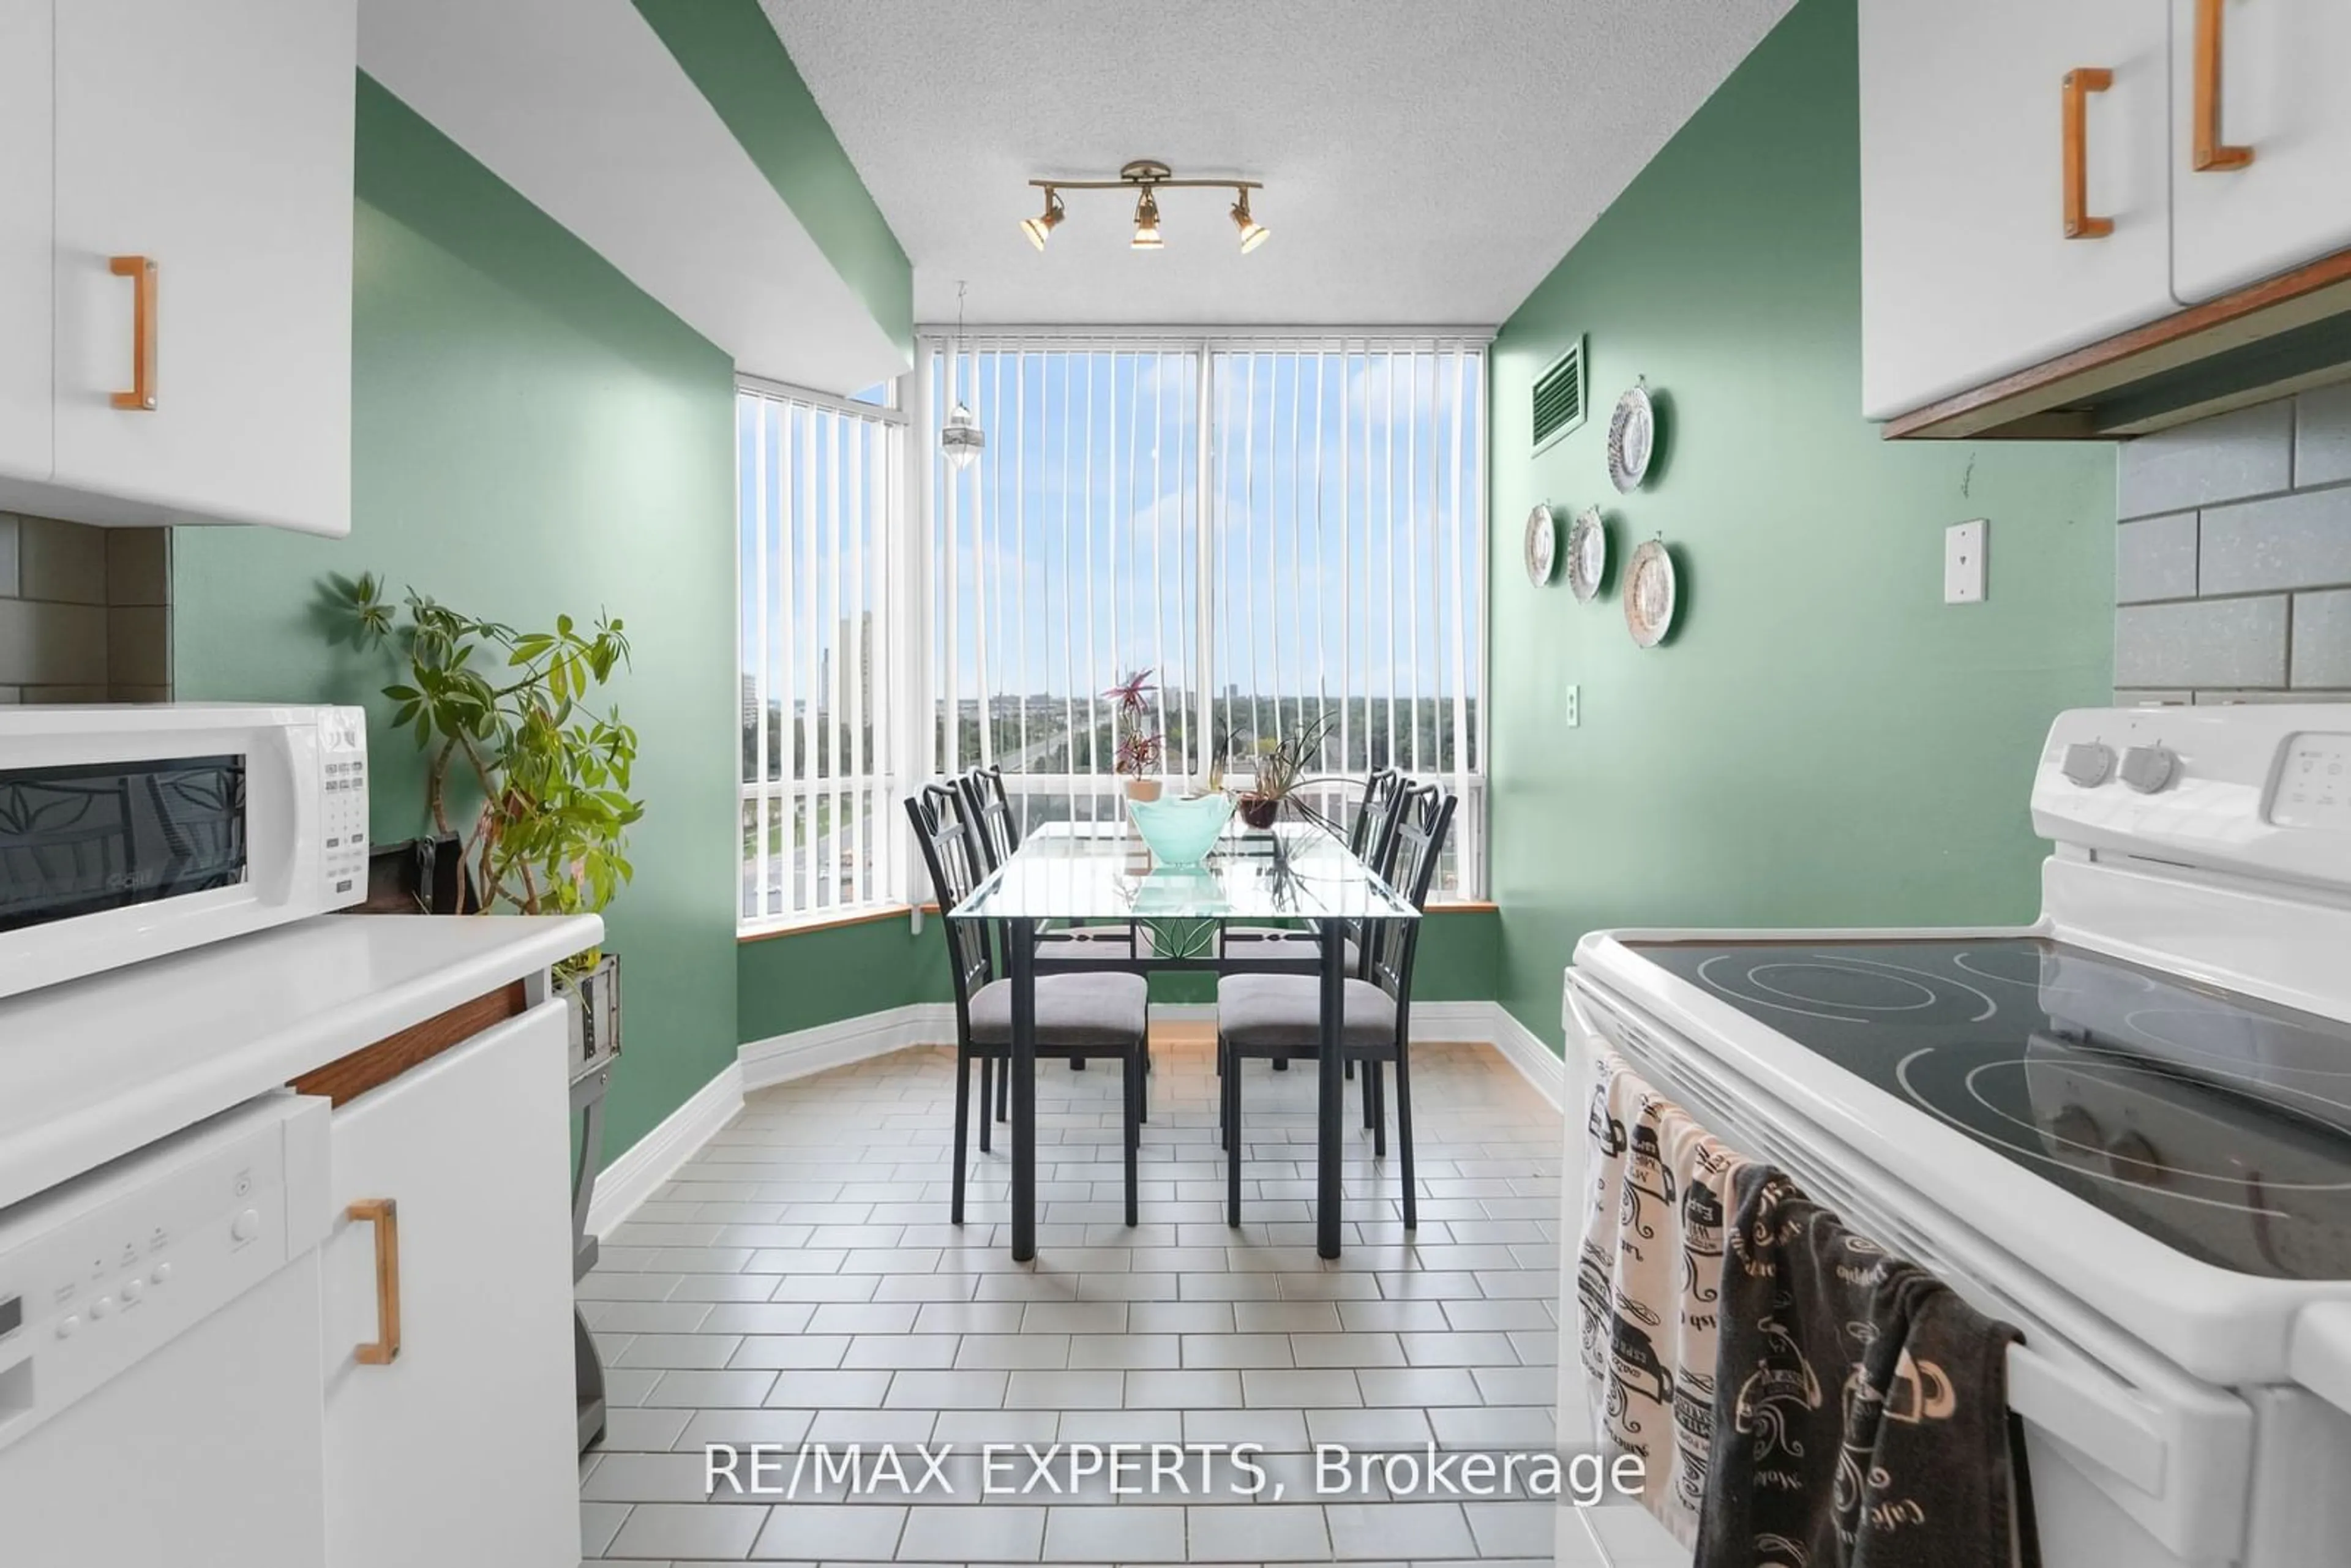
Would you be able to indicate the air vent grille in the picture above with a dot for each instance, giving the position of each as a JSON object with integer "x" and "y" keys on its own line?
{"x": 1558, "y": 397}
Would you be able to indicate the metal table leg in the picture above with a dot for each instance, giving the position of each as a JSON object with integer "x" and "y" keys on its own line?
{"x": 1332, "y": 1088}
{"x": 1021, "y": 963}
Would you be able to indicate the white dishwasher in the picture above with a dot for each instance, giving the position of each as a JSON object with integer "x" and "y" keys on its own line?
{"x": 160, "y": 1397}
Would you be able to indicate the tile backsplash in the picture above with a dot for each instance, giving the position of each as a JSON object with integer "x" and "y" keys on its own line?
{"x": 85, "y": 613}
{"x": 2232, "y": 560}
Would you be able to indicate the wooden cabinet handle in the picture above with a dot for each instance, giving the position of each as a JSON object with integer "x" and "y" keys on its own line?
{"x": 141, "y": 272}
{"x": 2211, "y": 151}
{"x": 2080, "y": 83}
{"x": 383, "y": 1213}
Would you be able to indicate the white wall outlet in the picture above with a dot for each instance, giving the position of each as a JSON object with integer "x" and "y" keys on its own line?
{"x": 1964, "y": 546}
{"x": 1572, "y": 710}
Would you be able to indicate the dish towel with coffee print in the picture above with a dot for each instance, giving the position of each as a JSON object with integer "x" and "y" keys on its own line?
{"x": 1649, "y": 1271}
{"x": 1861, "y": 1412}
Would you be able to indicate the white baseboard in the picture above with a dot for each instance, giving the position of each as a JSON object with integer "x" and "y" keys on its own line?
{"x": 782, "y": 1058}
{"x": 1524, "y": 1049}
{"x": 639, "y": 1172}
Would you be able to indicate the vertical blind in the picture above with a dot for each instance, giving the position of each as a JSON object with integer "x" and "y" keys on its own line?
{"x": 819, "y": 484}
{"x": 1284, "y": 532}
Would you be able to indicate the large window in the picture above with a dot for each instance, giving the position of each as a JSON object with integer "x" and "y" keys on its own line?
{"x": 822, "y": 482}
{"x": 1282, "y": 531}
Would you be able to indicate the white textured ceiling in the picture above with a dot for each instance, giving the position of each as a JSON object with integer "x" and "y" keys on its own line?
{"x": 1426, "y": 162}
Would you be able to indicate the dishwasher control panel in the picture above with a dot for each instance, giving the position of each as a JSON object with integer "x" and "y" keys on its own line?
{"x": 99, "y": 1272}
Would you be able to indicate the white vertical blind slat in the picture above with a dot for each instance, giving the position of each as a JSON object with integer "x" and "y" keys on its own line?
{"x": 763, "y": 532}
{"x": 819, "y": 498}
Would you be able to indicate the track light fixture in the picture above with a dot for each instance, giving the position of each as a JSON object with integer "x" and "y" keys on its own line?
{"x": 1253, "y": 233}
{"x": 1146, "y": 221}
{"x": 1040, "y": 228}
{"x": 1147, "y": 177}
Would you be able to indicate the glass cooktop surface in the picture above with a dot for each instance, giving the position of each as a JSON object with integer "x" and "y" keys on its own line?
{"x": 2218, "y": 1124}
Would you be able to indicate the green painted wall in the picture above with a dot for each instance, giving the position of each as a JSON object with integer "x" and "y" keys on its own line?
{"x": 732, "y": 55}
{"x": 531, "y": 434}
{"x": 1824, "y": 741}
{"x": 812, "y": 977}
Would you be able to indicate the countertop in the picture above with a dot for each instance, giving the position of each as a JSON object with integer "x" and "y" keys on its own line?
{"x": 97, "y": 1067}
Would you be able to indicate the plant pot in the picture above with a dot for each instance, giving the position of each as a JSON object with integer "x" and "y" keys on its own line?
{"x": 1260, "y": 810}
{"x": 595, "y": 997}
{"x": 1143, "y": 789}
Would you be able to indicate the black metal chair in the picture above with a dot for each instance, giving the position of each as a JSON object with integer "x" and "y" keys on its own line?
{"x": 996, "y": 833}
{"x": 995, "y": 828}
{"x": 1370, "y": 838}
{"x": 1089, "y": 1015}
{"x": 1279, "y": 1017}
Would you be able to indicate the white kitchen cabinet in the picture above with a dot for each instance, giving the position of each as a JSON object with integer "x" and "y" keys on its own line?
{"x": 1967, "y": 271}
{"x": 206, "y": 148}
{"x": 2283, "y": 96}
{"x": 461, "y": 1451}
{"x": 25, "y": 237}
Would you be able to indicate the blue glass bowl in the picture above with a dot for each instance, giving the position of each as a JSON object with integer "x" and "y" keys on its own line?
{"x": 1181, "y": 832}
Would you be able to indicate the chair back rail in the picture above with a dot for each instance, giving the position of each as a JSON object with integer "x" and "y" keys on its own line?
{"x": 991, "y": 813}
{"x": 1372, "y": 832}
{"x": 951, "y": 853}
{"x": 1424, "y": 816}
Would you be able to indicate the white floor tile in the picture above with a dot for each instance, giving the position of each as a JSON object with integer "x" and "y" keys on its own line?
{"x": 799, "y": 1282}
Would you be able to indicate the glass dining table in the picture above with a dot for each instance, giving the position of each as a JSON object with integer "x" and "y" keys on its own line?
{"x": 1069, "y": 873}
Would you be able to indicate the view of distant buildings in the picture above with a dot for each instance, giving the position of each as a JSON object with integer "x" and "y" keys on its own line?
{"x": 1047, "y": 732}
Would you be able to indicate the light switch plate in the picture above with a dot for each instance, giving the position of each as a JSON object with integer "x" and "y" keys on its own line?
{"x": 1964, "y": 545}
{"x": 1572, "y": 710}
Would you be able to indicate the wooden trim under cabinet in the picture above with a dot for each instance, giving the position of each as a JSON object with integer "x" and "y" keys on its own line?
{"x": 347, "y": 1078}
{"x": 2055, "y": 400}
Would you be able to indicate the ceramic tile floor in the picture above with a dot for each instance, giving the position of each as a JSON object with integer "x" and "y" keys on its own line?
{"x": 798, "y": 1282}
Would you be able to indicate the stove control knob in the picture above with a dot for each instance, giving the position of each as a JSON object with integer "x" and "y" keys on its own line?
{"x": 2089, "y": 764}
{"x": 2150, "y": 769}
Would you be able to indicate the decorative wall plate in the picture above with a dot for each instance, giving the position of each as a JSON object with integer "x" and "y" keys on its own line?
{"x": 1543, "y": 545}
{"x": 1649, "y": 594}
{"x": 1631, "y": 440}
{"x": 1587, "y": 555}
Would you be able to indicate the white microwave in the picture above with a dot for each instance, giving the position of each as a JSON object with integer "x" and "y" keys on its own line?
{"x": 130, "y": 831}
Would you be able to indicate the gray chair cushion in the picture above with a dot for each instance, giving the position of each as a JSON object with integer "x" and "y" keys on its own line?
{"x": 1071, "y": 1009}
{"x": 1253, "y": 941}
{"x": 1283, "y": 1012}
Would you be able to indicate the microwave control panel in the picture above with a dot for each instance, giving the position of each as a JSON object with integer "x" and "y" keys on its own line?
{"x": 342, "y": 759}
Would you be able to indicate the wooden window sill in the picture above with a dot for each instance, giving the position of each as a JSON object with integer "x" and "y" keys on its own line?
{"x": 830, "y": 923}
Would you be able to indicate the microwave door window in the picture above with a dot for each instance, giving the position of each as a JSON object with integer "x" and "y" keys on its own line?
{"x": 82, "y": 839}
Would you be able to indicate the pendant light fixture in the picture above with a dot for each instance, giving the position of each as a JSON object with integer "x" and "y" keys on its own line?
{"x": 1146, "y": 177}
{"x": 961, "y": 439}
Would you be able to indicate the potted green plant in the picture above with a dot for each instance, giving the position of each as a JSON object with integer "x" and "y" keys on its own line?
{"x": 1137, "y": 748}
{"x": 1283, "y": 770}
{"x": 540, "y": 781}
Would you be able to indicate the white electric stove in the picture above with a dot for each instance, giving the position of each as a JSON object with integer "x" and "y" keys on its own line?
{"x": 2125, "y": 1128}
